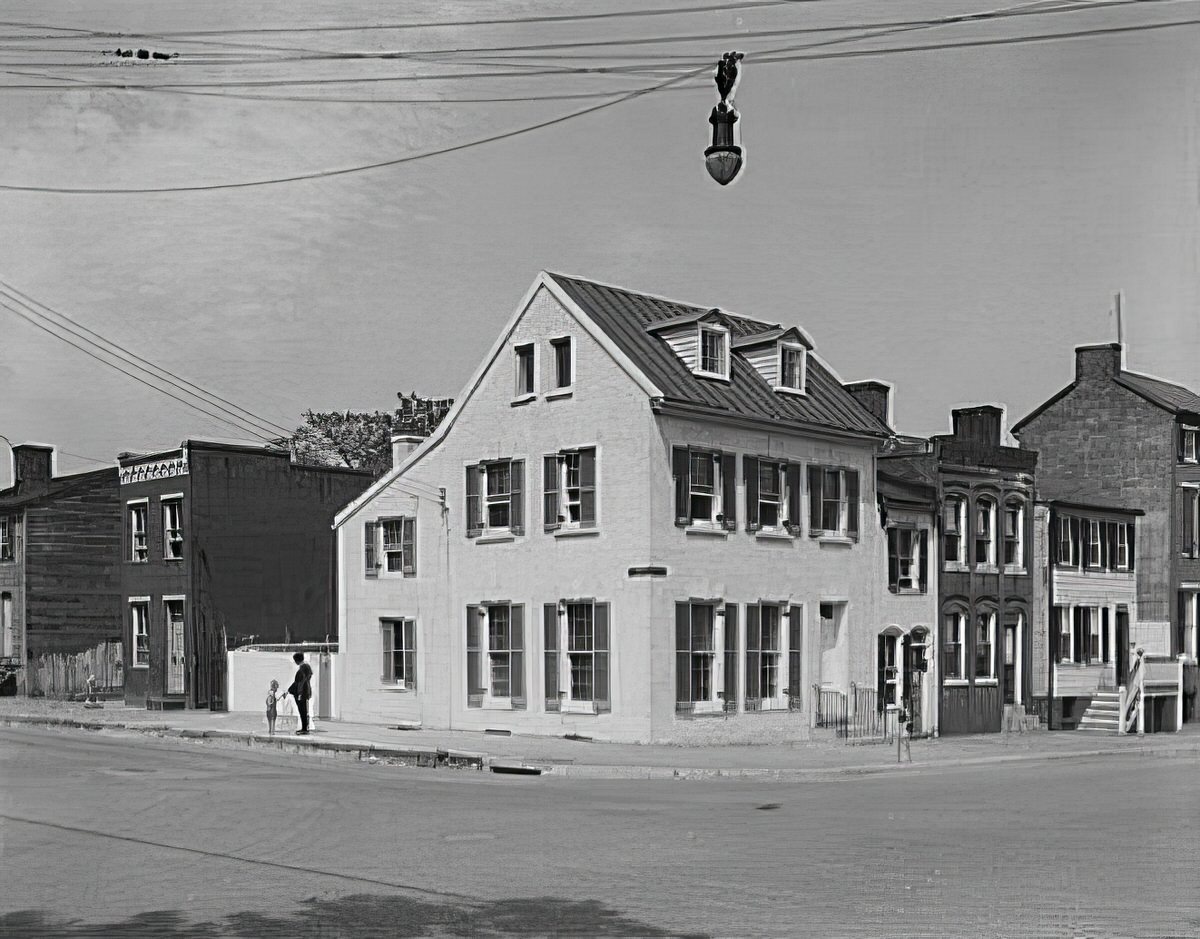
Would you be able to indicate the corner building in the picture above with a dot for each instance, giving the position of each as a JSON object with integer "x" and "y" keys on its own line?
{"x": 642, "y": 520}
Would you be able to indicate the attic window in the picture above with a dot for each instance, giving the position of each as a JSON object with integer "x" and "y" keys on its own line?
{"x": 714, "y": 352}
{"x": 793, "y": 364}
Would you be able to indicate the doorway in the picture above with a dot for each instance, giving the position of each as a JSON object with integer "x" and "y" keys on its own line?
{"x": 1012, "y": 640}
{"x": 1122, "y": 650}
{"x": 176, "y": 654}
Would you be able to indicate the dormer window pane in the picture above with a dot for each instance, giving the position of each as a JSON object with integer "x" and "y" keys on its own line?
{"x": 712, "y": 351}
{"x": 791, "y": 368}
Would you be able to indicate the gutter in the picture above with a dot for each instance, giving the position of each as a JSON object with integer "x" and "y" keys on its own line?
{"x": 665, "y": 408}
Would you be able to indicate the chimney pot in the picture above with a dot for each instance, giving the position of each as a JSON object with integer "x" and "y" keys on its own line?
{"x": 403, "y": 445}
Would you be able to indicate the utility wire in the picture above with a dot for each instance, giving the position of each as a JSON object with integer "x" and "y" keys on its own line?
{"x": 86, "y": 351}
{"x": 187, "y": 387}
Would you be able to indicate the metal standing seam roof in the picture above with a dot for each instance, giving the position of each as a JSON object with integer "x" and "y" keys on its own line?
{"x": 624, "y": 316}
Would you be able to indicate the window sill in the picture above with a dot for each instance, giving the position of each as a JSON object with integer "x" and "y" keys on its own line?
{"x": 705, "y": 709}
{"x": 986, "y": 569}
{"x": 523, "y": 399}
{"x": 787, "y": 390}
{"x": 1015, "y": 570}
{"x": 909, "y": 592}
{"x": 835, "y": 540}
{"x": 172, "y": 559}
{"x": 987, "y": 682}
{"x": 706, "y": 530}
{"x": 140, "y": 668}
{"x": 577, "y": 707}
{"x": 956, "y": 682}
{"x": 700, "y": 373}
{"x": 956, "y": 567}
{"x": 560, "y": 393}
{"x": 765, "y": 535}
{"x": 496, "y": 538}
{"x": 397, "y": 689}
{"x": 575, "y": 532}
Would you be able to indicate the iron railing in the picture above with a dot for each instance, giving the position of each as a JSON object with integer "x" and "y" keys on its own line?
{"x": 832, "y": 710}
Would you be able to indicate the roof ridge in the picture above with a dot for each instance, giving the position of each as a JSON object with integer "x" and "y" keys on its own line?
{"x": 703, "y": 307}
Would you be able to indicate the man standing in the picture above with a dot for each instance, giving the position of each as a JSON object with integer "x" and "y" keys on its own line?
{"x": 301, "y": 690}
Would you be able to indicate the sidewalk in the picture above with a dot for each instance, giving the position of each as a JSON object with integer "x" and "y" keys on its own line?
{"x": 561, "y": 757}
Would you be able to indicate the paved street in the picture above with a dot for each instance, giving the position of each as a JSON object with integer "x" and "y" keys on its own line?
{"x": 120, "y": 835}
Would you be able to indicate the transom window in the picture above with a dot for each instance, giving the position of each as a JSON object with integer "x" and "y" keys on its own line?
{"x": 791, "y": 367}
{"x": 495, "y": 655}
{"x": 399, "y": 652}
{"x": 172, "y": 510}
{"x": 525, "y": 370}
{"x": 139, "y": 617}
{"x": 494, "y": 497}
{"x": 714, "y": 351}
{"x": 563, "y": 370}
{"x": 954, "y": 529}
{"x": 139, "y": 549}
{"x": 399, "y": 544}
{"x": 569, "y": 489}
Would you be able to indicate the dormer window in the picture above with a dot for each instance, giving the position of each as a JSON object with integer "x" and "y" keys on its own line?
{"x": 792, "y": 367}
{"x": 1189, "y": 444}
{"x": 714, "y": 352}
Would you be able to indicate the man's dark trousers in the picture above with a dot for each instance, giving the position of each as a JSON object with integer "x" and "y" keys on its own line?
{"x": 302, "y": 706}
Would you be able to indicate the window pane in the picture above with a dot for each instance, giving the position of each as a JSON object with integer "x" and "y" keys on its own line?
{"x": 702, "y": 628}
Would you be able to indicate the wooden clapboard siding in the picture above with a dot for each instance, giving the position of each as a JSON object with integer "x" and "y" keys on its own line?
{"x": 1071, "y": 680}
{"x": 765, "y": 360}
{"x": 684, "y": 343}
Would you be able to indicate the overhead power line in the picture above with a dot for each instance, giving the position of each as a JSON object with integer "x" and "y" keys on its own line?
{"x": 244, "y": 424}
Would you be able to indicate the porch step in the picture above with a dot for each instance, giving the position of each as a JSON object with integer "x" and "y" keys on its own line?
{"x": 1103, "y": 714}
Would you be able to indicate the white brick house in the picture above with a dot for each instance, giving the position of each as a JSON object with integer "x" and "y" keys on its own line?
{"x": 641, "y": 520}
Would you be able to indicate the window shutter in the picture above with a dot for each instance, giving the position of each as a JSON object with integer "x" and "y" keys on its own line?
{"x": 753, "y": 645}
{"x": 516, "y": 499}
{"x": 18, "y": 534}
{"x": 408, "y": 553}
{"x": 1132, "y": 526}
{"x": 792, "y": 474}
{"x": 475, "y": 687}
{"x": 1189, "y": 522}
{"x": 371, "y": 549}
{"x": 893, "y": 550}
{"x": 387, "y": 673}
{"x": 517, "y": 652}
{"x": 683, "y": 480}
{"x": 750, "y": 474}
{"x": 923, "y": 560}
{"x": 683, "y": 647}
{"x": 410, "y": 652}
{"x": 814, "y": 500}
{"x": 550, "y": 520}
{"x": 601, "y": 694}
{"x": 1085, "y": 542}
{"x": 587, "y": 488}
{"x": 550, "y": 645}
{"x": 1179, "y": 437}
{"x": 729, "y": 491}
{"x": 1076, "y": 542}
{"x": 852, "y": 503}
{"x": 881, "y": 671}
{"x": 731, "y": 657}
{"x": 474, "y": 515}
{"x": 795, "y": 658}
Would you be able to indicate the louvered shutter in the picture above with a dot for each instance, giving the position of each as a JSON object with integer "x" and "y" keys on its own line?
{"x": 1187, "y": 540}
{"x": 792, "y": 474}
{"x": 683, "y": 480}
{"x": 601, "y": 641}
{"x": 550, "y": 646}
{"x": 516, "y": 619}
{"x": 815, "y": 496}
{"x": 387, "y": 673}
{"x": 475, "y": 689}
{"x": 731, "y": 657}
{"x": 516, "y": 518}
{"x": 852, "y": 503}
{"x": 408, "y": 550}
{"x": 881, "y": 672}
{"x": 683, "y": 648}
{"x": 474, "y": 515}
{"x": 587, "y": 488}
{"x": 795, "y": 658}
{"x": 729, "y": 491}
{"x": 1077, "y": 558}
{"x": 893, "y": 560}
{"x": 923, "y": 560}
{"x": 753, "y": 651}
{"x": 550, "y": 520}
{"x": 750, "y": 474}
{"x": 1132, "y": 526}
{"x": 371, "y": 549}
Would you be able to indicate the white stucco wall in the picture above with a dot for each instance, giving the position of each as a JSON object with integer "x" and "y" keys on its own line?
{"x": 249, "y": 674}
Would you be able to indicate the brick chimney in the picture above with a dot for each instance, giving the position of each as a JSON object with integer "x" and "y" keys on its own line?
{"x": 875, "y": 396}
{"x": 980, "y": 424}
{"x": 33, "y": 466}
{"x": 403, "y": 445}
{"x": 1099, "y": 362}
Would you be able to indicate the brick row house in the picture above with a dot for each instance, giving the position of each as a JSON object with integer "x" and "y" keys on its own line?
{"x": 222, "y": 544}
{"x": 985, "y": 491}
{"x": 60, "y": 539}
{"x": 1117, "y": 438}
{"x": 642, "y": 520}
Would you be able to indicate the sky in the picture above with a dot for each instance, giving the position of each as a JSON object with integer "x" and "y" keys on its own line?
{"x": 952, "y": 221}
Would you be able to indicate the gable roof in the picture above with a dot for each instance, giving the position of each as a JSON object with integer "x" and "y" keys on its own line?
{"x": 59, "y": 486}
{"x": 1169, "y": 396}
{"x": 625, "y": 316}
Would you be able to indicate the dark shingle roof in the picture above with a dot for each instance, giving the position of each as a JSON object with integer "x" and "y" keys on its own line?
{"x": 13, "y": 497}
{"x": 624, "y": 316}
{"x": 1166, "y": 395}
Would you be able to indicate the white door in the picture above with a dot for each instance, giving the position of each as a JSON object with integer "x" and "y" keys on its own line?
{"x": 175, "y": 654}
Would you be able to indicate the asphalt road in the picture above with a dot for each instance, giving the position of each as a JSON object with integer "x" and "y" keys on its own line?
{"x": 113, "y": 835}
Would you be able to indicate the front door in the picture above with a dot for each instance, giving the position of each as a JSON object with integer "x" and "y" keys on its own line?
{"x": 1122, "y": 650}
{"x": 175, "y": 652}
{"x": 1010, "y": 663}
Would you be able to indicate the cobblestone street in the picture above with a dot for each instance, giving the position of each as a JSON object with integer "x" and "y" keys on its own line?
{"x": 122, "y": 834}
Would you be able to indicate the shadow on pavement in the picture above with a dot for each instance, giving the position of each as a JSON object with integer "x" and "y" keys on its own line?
{"x": 359, "y": 915}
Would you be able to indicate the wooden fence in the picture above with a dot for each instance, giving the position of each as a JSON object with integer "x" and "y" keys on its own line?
{"x": 63, "y": 674}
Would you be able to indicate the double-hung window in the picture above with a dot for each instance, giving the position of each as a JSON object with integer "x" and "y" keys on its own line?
{"x": 139, "y": 630}
{"x": 954, "y": 530}
{"x": 1060, "y": 623}
{"x": 399, "y": 653}
{"x": 1124, "y": 558}
{"x": 705, "y": 488}
{"x": 772, "y": 495}
{"x": 1190, "y": 521}
{"x": 524, "y": 380}
{"x": 172, "y": 512}
{"x": 400, "y": 544}
{"x": 714, "y": 351}
{"x": 1189, "y": 444}
{"x": 495, "y": 502}
{"x": 985, "y": 644}
{"x": 496, "y": 655}
{"x": 889, "y": 651}
{"x": 954, "y": 646}
{"x": 700, "y": 656}
{"x": 1066, "y": 542}
{"x": 8, "y": 537}
{"x": 833, "y": 502}
{"x": 576, "y": 643}
{"x": 564, "y": 364}
{"x": 907, "y": 549}
{"x": 139, "y": 546}
{"x": 1094, "y": 557}
{"x": 767, "y": 685}
{"x": 985, "y": 532}
{"x": 791, "y": 367}
{"x": 1014, "y": 534}
{"x": 569, "y": 489}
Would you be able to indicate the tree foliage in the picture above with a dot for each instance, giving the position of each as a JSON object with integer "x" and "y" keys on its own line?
{"x": 358, "y": 439}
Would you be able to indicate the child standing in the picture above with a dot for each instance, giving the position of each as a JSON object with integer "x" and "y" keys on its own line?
{"x": 272, "y": 699}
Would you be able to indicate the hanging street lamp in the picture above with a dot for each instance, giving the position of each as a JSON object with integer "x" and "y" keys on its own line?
{"x": 724, "y": 158}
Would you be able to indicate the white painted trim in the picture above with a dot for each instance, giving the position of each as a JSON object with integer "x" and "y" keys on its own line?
{"x": 144, "y": 500}
{"x": 174, "y": 596}
{"x": 138, "y": 599}
{"x": 780, "y": 346}
{"x": 168, "y": 496}
{"x": 699, "y": 370}
{"x": 589, "y": 326}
